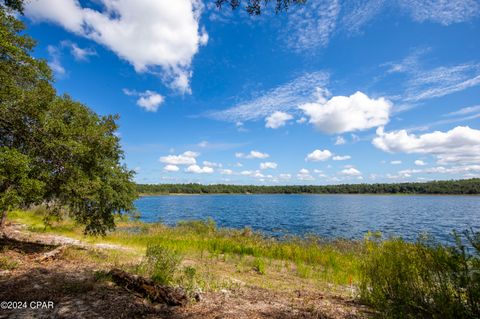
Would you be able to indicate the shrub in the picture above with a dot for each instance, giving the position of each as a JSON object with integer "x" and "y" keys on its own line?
{"x": 259, "y": 266}
{"x": 160, "y": 263}
{"x": 424, "y": 279}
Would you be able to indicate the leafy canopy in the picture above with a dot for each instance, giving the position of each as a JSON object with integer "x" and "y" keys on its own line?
{"x": 53, "y": 149}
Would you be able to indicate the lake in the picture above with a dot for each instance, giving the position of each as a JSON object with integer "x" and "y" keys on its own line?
{"x": 331, "y": 216}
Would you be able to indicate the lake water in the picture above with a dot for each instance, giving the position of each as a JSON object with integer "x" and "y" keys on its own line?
{"x": 331, "y": 216}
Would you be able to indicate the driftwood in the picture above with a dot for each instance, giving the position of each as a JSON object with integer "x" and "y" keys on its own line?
{"x": 147, "y": 288}
{"x": 53, "y": 254}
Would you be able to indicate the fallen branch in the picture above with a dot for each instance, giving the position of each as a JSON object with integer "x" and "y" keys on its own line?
{"x": 147, "y": 288}
{"x": 53, "y": 254}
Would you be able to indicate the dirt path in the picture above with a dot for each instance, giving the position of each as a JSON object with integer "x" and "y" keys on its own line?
{"x": 78, "y": 290}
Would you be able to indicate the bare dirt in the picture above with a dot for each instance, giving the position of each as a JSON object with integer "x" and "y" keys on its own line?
{"x": 78, "y": 290}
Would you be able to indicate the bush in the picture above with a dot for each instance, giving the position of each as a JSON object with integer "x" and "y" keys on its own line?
{"x": 423, "y": 279}
{"x": 160, "y": 263}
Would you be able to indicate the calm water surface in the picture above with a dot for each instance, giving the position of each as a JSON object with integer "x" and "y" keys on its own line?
{"x": 348, "y": 216}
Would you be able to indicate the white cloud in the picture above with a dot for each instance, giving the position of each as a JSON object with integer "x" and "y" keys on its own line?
{"x": 301, "y": 120}
{"x": 318, "y": 155}
{"x": 285, "y": 176}
{"x": 277, "y": 119}
{"x": 267, "y": 165}
{"x": 171, "y": 168}
{"x": 465, "y": 110}
{"x": 252, "y": 154}
{"x": 55, "y": 64}
{"x": 351, "y": 172}
{"x": 187, "y": 158}
{"x": 420, "y": 163}
{"x": 359, "y": 13}
{"x": 427, "y": 83}
{"x": 459, "y": 145}
{"x": 396, "y": 162}
{"x": 148, "y": 34}
{"x": 341, "y": 158}
{"x": 203, "y": 144}
{"x": 148, "y": 100}
{"x": 310, "y": 26}
{"x": 304, "y": 175}
{"x": 212, "y": 164}
{"x": 199, "y": 170}
{"x": 226, "y": 171}
{"x": 445, "y": 12}
{"x": 283, "y": 98}
{"x": 80, "y": 54}
{"x": 340, "y": 140}
{"x": 345, "y": 114}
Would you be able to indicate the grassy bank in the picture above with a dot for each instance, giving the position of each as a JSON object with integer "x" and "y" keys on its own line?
{"x": 398, "y": 278}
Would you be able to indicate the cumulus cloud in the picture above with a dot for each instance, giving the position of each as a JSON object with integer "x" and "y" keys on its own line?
{"x": 420, "y": 163}
{"x": 285, "y": 176}
{"x": 187, "y": 158}
{"x": 252, "y": 154}
{"x": 148, "y": 100}
{"x": 350, "y": 172}
{"x": 341, "y": 158}
{"x": 459, "y": 145}
{"x": 341, "y": 114}
{"x": 283, "y": 98}
{"x": 171, "y": 168}
{"x": 304, "y": 175}
{"x": 277, "y": 119}
{"x": 267, "y": 165}
{"x": 148, "y": 34}
{"x": 318, "y": 155}
{"x": 199, "y": 170}
{"x": 396, "y": 162}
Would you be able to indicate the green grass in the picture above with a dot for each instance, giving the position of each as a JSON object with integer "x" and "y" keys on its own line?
{"x": 335, "y": 262}
{"x": 400, "y": 279}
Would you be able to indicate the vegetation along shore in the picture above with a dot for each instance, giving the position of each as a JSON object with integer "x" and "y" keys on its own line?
{"x": 298, "y": 277}
{"x": 449, "y": 187}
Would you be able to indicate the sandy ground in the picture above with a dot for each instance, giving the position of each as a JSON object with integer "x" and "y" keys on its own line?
{"x": 76, "y": 290}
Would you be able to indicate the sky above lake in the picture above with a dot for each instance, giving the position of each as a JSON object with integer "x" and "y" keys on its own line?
{"x": 330, "y": 92}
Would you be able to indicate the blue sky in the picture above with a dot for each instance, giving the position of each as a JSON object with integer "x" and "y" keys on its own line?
{"x": 330, "y": 92}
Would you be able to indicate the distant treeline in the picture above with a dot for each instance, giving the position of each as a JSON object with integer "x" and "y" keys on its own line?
{"x": 466, "y": 186}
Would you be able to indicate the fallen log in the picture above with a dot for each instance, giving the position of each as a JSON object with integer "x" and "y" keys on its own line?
{"x": 53, "y": 254}
{"x": 147, "y": 288}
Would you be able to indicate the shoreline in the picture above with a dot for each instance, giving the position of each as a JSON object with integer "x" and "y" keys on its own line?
{"x": 342, "y": 194}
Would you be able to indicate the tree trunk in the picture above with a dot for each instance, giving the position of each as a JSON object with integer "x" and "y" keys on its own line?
{"x": 3, "y": 221}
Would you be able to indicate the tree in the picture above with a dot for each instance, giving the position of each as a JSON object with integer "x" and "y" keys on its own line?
{"x": 254, "y": 7}
{"x": 68, "y": 152}
{"x": 17, "y": 185}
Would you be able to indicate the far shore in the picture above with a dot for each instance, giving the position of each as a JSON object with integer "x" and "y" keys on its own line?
{"x": 363, "y": 194}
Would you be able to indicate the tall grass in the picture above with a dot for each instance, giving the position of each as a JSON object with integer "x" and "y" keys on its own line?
{"x": 422, "y": 279}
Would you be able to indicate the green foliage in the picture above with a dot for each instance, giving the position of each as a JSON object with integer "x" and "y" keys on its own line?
{"x": 17, "y": 185}
{"x": 7, "y": 264}
{"x": 161, "y": 263}
{"x": 467, "y": 186}
{"x": 198, "y": 226}
{"x": 422, "y": 279}
{"x": 259, "y": 266}
{"x": 254, "y": 7}
{"x": 73, "y": 153}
